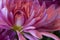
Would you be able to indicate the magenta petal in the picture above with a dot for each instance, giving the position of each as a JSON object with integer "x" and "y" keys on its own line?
{"x": 40, "y": 22}
{"x": 7, "y": 34}
{"x": 31, "y": 22}
{"x": 4, "y": 12}
{"x": 36, "y": 7}
{"x": 11, "y": 17}
{"x": 50, "y": 35}
{"x": 2, "y": 21}
{"x": 0, "y": 4}
{"x": 30, "y": 18}
{"x": 35, "y": 33}
{"x": 29, "y": 28}
{"x": 5, "y": 27}
{"x": 30, "y": 37}
{"x": 20, "y": 36}
{"x": 4, "y": 18}
{"x": 3, "y": 24}
{"x": 7, "y": 38}
{"x": 32, "y": 15}
{"x": 58, "y": 11}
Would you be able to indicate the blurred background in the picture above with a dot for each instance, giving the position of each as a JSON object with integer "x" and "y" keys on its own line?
{"x": 49, "y": 2}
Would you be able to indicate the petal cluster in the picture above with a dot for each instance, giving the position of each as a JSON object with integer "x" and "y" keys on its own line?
{"x": 29, "y": 19}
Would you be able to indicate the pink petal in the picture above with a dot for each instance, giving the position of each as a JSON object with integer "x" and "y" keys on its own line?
{"x": 29, "y": 27}
{"x": 31, "y": 22}
{"x": 50, "y": 35}
{"x": 35, "y": 7}
{"x": 58, "y": 11}
{"x": 43, "y": 19}
{"x": 40, "y": 22}
{"x": 4, "y": 2}
{"x": 32, "y": 14}
{"x": 42, "y": 8}
{"x": 30, "y": 18}
{"x": 11, "y": 18}
{"x": 35, "y": 33}
{"x": 20, "y": 20}
{"x": 52, "y": 14}
{"x": 57, "y": 24}
{"x": 4, "y": 16}
{"x": 5, "y": 27}
{"x": 4, "y": 12}
{"x": 2, "y": 21}
{"x": 20, "y": 36}
{"x": 3, "y": 24}
{"x": 30, "y": 37}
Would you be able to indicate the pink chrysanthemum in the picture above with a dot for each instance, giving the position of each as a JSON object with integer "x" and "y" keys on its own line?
{"x": 29, "y": 19}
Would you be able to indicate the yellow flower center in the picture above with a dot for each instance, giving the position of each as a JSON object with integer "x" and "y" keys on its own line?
{"x": 18, "y": 28}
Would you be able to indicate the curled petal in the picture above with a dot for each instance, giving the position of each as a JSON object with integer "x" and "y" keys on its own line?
{"x": 30, "y": 37}
{"x": 20, "y": 20}
{"x": 35, "y": 33}
{"x": 50, "y": 35}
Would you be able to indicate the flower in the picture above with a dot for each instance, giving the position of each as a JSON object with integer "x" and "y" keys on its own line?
{"x": 29, "y": 19}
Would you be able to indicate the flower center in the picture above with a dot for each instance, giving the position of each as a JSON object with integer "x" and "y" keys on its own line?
{"x": 18, "y": 28}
